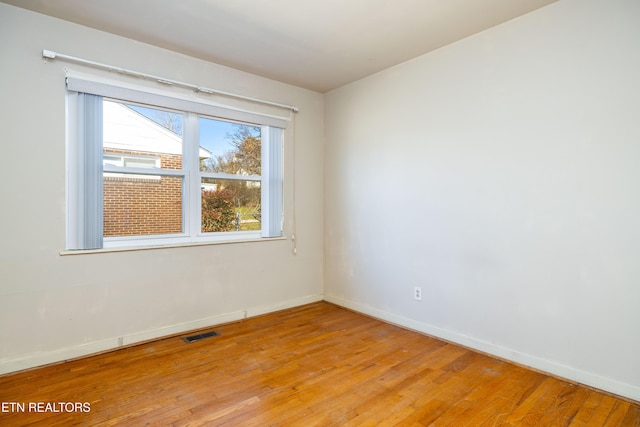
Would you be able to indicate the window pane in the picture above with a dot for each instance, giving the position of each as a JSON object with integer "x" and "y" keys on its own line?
{"x": 112, "y": 160}
{"x": 141, "y": 162}
{"x": 230, "y": 205}
{"x": 227, "y": 147}
{"x": 140, "y": 135}
{"x": 132, "y": 162}
{"x": 142, "y": 206}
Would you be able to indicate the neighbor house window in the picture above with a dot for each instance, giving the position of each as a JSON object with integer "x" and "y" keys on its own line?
{"x": 146, "y": 169}
{"x": 123, "y": 160}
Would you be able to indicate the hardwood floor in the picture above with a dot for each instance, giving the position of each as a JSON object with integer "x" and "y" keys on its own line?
{"x": 316, "y": 365}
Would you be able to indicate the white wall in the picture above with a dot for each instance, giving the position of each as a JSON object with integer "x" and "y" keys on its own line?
{"x": 501, "y": 175}
{"x": 53, "y": 307}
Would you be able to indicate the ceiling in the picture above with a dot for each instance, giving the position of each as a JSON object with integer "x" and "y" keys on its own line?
{"x": 315, "y": 44}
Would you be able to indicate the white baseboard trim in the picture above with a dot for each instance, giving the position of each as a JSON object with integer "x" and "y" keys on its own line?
{"x": 549, "y": 366}
{"x": 60, "y": 355}
{"x": 257, "y": 311}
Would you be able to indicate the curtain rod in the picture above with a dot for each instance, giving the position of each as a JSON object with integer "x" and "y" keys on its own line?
{"x": 49, "y": 54}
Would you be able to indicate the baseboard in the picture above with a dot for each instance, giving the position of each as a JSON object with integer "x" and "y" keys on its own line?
{"x": 257, "y": 311}
{"x": 60, "y": 355}
{"x": 547, "y": 366}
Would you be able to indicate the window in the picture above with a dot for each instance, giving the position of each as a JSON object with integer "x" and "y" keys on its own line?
{"x": 124, "y": 160}
{"x": 147, "y": 169}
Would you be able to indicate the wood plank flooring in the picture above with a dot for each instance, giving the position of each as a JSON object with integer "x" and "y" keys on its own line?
{"x": 316, "y": 365}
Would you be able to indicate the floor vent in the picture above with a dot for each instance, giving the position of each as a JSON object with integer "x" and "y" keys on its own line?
{"x": 198, "y": 337}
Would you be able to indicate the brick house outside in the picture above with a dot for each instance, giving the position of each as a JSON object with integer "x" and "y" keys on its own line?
{"x": 137, "y": 205}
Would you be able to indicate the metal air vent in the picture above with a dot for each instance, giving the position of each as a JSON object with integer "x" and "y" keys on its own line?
{"x": 199, "y": 337}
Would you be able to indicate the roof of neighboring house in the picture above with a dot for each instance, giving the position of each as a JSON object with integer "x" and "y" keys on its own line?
{"x": 128, "y": 130}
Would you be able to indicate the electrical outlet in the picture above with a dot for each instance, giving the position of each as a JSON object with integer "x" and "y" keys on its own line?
{"x": 417, "y": 293}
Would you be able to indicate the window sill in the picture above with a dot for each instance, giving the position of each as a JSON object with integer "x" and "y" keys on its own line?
{"x": 175, "y": 245}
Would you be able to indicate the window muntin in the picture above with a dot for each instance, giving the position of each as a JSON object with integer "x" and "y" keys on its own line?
{"x": 194, "y": 171}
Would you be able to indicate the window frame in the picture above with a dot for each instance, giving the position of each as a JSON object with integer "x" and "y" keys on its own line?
{"x": 272, "y": 161}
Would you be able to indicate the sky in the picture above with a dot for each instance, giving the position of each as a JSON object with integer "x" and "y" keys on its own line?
{"x": 213, "y": 135}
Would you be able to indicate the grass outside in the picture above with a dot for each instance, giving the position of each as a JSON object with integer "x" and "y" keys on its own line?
{"x": 249, "y": 218}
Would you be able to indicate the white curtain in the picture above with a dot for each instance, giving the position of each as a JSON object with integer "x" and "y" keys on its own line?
{"x": 88, "y": 227}
{"x": 272, "y": 199}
